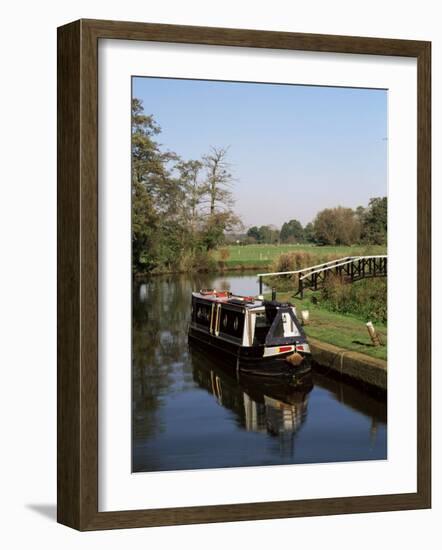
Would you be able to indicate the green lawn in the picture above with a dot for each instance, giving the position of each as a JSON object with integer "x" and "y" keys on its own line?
{"x": 344, "y": 331}
{"x": 262, "y": 255}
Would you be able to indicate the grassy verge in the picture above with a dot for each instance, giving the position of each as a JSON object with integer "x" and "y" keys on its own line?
{"x": 263, "y": 255}
{"x": 345, "y": 331}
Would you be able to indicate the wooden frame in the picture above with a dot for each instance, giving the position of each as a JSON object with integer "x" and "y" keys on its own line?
{"x": 78, "y": 269}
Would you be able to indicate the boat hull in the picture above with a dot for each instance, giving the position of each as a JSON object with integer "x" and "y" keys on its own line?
{"x": 251, "y": 359}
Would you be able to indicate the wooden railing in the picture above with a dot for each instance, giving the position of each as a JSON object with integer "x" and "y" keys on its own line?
{"x": 350, "y": 269}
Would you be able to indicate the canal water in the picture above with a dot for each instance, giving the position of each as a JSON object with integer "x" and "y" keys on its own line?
{"x": 190, "y": 410}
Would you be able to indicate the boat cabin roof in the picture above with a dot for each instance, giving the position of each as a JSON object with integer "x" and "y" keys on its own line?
{"x": 224, "y": 297}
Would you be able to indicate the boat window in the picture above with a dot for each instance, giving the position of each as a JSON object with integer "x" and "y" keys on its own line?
{"x": 232, "y": 323}
{"x": 203, "y": 313}
{"x": 278, "y": 330}
{"x": 261, "y": 320}
{"x": 262, "y": 326}
{"x": 283, "y": 326}
{"x": 289, "y": 327}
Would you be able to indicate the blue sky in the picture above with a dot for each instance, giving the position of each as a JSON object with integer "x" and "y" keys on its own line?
{"x": 294, "y": 150}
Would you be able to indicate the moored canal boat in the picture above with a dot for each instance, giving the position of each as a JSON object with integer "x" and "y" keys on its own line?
{"x": 262, "y": 336}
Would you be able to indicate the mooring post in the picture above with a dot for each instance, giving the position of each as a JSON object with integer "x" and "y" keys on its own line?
{"x": 375, "y": 337}
{"x": 305, "y": 315}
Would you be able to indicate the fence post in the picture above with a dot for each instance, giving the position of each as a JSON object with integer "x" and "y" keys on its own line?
{"x": 375, "y": 337}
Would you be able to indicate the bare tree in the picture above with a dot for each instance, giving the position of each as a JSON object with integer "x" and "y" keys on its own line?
{"x": 219, "y": 180}
{"x": 218, "y": 198}
{"x": 194, "y": 190}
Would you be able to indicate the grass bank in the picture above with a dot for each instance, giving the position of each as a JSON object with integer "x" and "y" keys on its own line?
{"x": 260, "y": 257}
{"x": 263, "y": 255}
{"x": 345, "y": 331}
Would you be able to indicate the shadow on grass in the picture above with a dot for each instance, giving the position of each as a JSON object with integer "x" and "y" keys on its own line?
{"x": 362, "y": 344}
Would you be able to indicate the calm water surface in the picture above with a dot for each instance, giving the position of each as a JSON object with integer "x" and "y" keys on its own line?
{"x": 191, "y": 411}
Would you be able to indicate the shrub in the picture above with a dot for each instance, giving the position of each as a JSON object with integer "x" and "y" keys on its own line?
{"x": 224, "y": 254}
{"x": 198, "y": 260}
{"x": 293, "y": 261}
{"x": 366, "y": 299}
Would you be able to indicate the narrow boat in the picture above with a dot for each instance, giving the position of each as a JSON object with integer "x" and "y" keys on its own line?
{"x": 262, "y": 336}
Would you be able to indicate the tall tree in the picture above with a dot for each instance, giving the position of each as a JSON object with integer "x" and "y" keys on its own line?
{"x": 156, "y": 195}
{"x": 292, "y": 232}
{"x": 374, "y": 226}
{"x": 254, "y": 233}
{"x": 269, "y": 234}
{"x": 218, "y": 197}
{"x": 194, "y": 190}
{"x": 337, "y": 226}
{"x": 147, "y": 171}
{"x": 309, "y": 233}
{"x": 219, "y": 179}
{"x": 149, "y": 163}
{"x": 265, "y": 234}
{"x": 180, "y": 208}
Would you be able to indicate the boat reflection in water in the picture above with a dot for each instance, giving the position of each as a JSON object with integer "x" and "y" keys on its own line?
{"x": 261, "y": 404}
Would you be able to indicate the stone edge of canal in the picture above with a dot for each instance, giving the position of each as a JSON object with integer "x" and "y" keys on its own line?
{"x": 352, "y": 364}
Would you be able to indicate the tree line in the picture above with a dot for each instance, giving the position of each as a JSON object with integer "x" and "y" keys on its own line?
{"x": 181, "y": 208}
{"x": 331, "y": 226}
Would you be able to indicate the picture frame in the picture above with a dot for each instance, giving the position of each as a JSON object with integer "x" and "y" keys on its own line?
{"x": 78, "y": 277}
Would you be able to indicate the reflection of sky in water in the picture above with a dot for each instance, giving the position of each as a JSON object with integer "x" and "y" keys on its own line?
{"x": 246, "y": 285}
{"x": 190, "y": 411}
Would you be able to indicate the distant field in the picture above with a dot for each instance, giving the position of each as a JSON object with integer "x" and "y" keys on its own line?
{"x": 262, "y": 255}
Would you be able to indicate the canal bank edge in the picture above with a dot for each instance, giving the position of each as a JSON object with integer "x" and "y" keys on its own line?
{"x": 357, "y": 366}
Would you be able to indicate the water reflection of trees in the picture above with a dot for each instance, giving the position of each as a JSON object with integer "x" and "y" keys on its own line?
{"x": 160, "y": 362}
{"x": 264, "y": 405}
{"x": 362, "y": 400}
